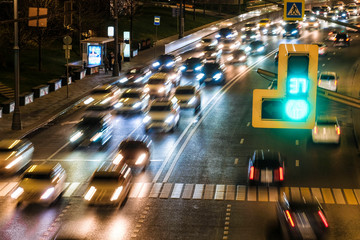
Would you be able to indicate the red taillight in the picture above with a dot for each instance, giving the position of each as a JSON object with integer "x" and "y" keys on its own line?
{"x": 322, "y": 49}
{"x": 334, "y": 39}
{"x": 323, "y": 219}
{"x": 316, "y": 129}
{"x": 281, "y": 174}
{"x": 337, "y": 130}
{"x": 290, "y": 218}
{"x": 251, "y": 175}
{"x": 347, "y": 39}
{"x": 330, "y": 33}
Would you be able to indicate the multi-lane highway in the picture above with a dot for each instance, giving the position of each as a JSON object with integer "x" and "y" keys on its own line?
{"x": 196, "y": 184}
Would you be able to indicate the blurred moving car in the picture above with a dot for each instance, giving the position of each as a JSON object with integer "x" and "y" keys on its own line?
{"x": 326, "y": 130}
{"x": 311, "y": 22}
{"x": 191, "y": 67}
{"x": 93, "y": 128}
{"x": 15, "y": 154}
{"x": 165, "y": 60}
{"x": 237, "y": 56}
{"x": 163, "y": 115}
{"x": 174, "y": 74}
{"x": 316, "y": 10}
{"x": 40, "y": 184}
{"x": 109, "y": 185}
{"x": 226, "y": 33}
{"x": 135, "y": 153}
{"x": 211, "y": 53}
{"x": 353, "y": 10}
{"x": 301, "y": 219}
{"x": 205, "y": 42}
{"x": 249, "y": 35}
{"x": 135, "y": 77}
{"x": 331, "y": 35}
{"x": 274, "y": 29}
{"x": 250, "y": 26}
{"x": 255, "y": 47}
{"x": 342, "y": 39}
{"x": 159, "y": 85}
{"x": 263, "y": 25}
{"x": 328, "y": 80}
{"x": 188, "y": 97}
{"x": 214, "y": 73}
{"x": 322, "y": 48}
{"x": 292, "y": 29}
{"x": 343, "y": 15}
{"x": 102, "y": 98}
{"x": 229, "y": 45}
{"x": 332, "y": 15}
{"x": 133, "y": 100}
{"x": 266, "y": 167}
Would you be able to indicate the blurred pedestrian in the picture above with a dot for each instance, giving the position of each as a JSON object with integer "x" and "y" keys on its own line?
{"x": 106, "y": 64}
{"x": 111, "y": 60}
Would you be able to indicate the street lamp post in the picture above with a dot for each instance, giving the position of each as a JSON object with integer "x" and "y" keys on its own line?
{"x": 16, "y": 121}
{"x": 116, "y": 32}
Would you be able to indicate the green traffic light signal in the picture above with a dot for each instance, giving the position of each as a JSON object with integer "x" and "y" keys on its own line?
{"x": 297, "y": 109}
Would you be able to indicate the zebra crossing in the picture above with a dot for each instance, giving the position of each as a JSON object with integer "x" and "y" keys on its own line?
{"x": 217, "y": 192}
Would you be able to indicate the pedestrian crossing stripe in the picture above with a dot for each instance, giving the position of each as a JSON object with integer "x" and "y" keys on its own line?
{"x": 294, "y": 11}
{"x": 217, "y": 192}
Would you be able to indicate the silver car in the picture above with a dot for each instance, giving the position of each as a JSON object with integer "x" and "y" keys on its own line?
{"x": 15, "y": 154}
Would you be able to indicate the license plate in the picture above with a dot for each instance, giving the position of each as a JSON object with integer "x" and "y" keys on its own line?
{"x": 190, "y": 70}
{"x": 341, "y": 40}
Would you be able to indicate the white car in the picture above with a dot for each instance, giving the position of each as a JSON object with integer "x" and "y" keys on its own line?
{"x": 189, "y": 97}
{"x": 207, "y": 42}
{"x": 328, "y": 80}
{"x": 133, "y": 100}
{"x": 159, "y": 85}
{"x": 15, "y": 154}
{"x": 40, "y": 184}
{"x": 163, "y": 114}
{"x": 326, "y": 130}
{"x": 109, "y": 184}
{"x": 103, "y": 97}
{"x": 229, "y": 45}
{"x": 353, "y": 10}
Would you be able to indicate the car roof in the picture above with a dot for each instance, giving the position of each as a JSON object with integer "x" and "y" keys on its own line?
{"x": 159, "y": 75}
{"x": 325, "y": 118}
{"x": 133, "y": 90}
{"x": 161, "y": 102}
{"x": 46, "y": 168}
{"x": 328, "y": 73}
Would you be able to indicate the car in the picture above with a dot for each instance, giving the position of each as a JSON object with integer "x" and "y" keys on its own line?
{"x": 159, "y": 85}
{"x": 226, "y": 33}
{"x": 191, "y": 67}
{"x": 353, "y": 10}
{"x": 316, "y": 10}
{"x": 135, "y": 153}
{"x": 332, "y": 15}
{"x": 133, "y": 100}
{"x": 43, "y": 183}
{"x": 92, "y": 129}
{"x": 250, "y": 26}
{"x": 274, "y": 29}
{"x": 249, "y": 35}
{"x": 326, "y": 130}
{"x": 188, "y": 97}
{"x": 311, "y": 22}
{"x": 109, "y": 185}
{"x": 165, "y": 60}
{"x": 174, "y": 74}
{"x": 308, "y": 13}
{"x": 214, "y": 73}
{"x": 331, "y": 35}
{"x": 264, "y": 23}
{"x": 135, "y": 77}
{"x": 342, "y": 39}
{"x": 276, "y": 57}
{"x": 266, "y": 167}
{"x": 211, "y": 53}
{"x": 328, "y": 80}
{"x": 15, "y": 154}
{"x": 229, "y": 45}
{"x": 255, "y": 47}
{"x": 322, "y": 48}
{"x": 206, "y": 42}
{"x": 102, "y": 98}
{"x": 292, "y": 29}
{"x": 344, "y": 15}
{"x": 301, "y": 218}
{"x": 324, "y": 10}
{"x": 164, "y": 114}
{"x": 237, "y": 56}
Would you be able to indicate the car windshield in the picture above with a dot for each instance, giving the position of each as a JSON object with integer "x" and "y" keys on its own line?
{"x": 101, "y": 91}
{"x": 206, "y": 40}
{"x": 210, "y": 48}
{"x": 256, "y": 44}
{"x": 341, "y": 35}
{"x": 249, "y": 25}
{"x": 161, "y": 108}
{"x": 156, "y": 81}
{"x": 229, "y": 41}
{"x": 130, "y": 95}
{"x": 184, "y": 91}
{"x": 165, "y": 58}
{"x": 264, "y": 21}
{"x": 291, "y": 26}
{"x": 327, "y": 77}
{"x": 326, "y": 122}
{"x": 106, "y": 177}
{"x": 37, "y": 175}
{"x": 352, "y": 7}
{"x": 208, "y": 67}
{"x": 225, "y": 31}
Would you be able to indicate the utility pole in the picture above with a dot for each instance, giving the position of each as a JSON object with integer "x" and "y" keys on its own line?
{"x": 181, "y": 20}
{"x": 194, "y": 13}
{"x": 16, "y": 121}
{"x": 116, "y": 32}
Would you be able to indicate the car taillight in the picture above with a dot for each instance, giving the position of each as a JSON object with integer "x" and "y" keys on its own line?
{"x": 323, "y": 219}
{"x": 319, "y": 82}
{"x": 337, "y": 130}
{"x": 290, "y": 218}
{"x": 251, "y": 175}
{"x": 316, "y": 130}
{"x": 347, "y": 39}
{"x": 281, "y": 173}
{"x": 334, "y": 39}
{"x": 335, "y": 82}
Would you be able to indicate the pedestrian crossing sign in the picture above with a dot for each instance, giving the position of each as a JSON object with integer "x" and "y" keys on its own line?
{"x": 294, "y": 10}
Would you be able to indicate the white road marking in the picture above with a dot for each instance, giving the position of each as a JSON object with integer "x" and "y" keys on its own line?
{"x": 219, "y": 192}
{"x": 156, "y": 160}
{"x": 242, "y": 141}
{"x": 297, "y": 163}
{"x": 7, "y": 188}
{"x": 199, "y": 188}
{"x": 297, "y": 143}
{"x": 177, "y": 190}
{"x": 71, "y": 189}
{"x": 57, "y": 151}
{"x": 236, "y": 161}
{"x": 248, "y": 124}
{"x": 135, "y": 190}
{"x": 187, "y": 191}
{"x": 240, "y": 193}
{"x": 154, "y": 193}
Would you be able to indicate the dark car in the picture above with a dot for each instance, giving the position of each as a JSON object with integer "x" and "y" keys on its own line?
{"x": 342, "y": 39}
{"x": 274, "y": 29}
{"x": 266, "y": 167}
{"x": 316, "y": 10}
{"x": 135, "y": 153}
{"x": 93, "y": 128}
{"x": 213, "y": 73}
{"x": 301, "y": 218}
{"x": 323, "y": 11}
{"x": 165, "y": 60}
{"x": 135, "y": 77}
{"x": 255, "y": 47}
{"x": 226, "y": 33}
{"x": 292, "y": 29}
{"x": 249, "y": 35}
{"x": 192, "y": 66}
{"x": 343, "y": 15}
{"x": 237, "y": 56}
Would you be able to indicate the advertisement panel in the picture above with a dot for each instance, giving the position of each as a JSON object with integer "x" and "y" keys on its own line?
{"x": 94, "y": 55}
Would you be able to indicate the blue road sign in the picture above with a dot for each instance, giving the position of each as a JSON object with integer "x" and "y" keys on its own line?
{"x": 156, "y": 20}
{"x": 294, "y": 9}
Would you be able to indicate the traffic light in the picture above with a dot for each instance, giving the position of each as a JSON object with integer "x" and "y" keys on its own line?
{"x": 293, "y": 103}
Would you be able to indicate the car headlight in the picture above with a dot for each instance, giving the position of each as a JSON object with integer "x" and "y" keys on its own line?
{"x": 317, "y": 12}
{"x": 96, "y": 137}
{"x": 88, "y": 101}
{"x": 217, "y": 36}
{"x": 170, "y": 64}
{"x": 146, "y": 119}
{"x": 294, "y": 32}
{"x": 162, "y": 89}
{"x": 248, "y": 49}
{"x": 253, "y": 29}
{"x": 139, "y": 79}
{"x": 229, "y": 36}
{"x": 242, "y": 58}
{"x": 136, "y": 105}
{"x": 202, "y": 54}
{"x": 146, "y": 89}
{"x": 76, "y": 136}
{"x": 116, "y": 194}
{"x": 156, "y": 64}
{"x": 13, "y": 163}
{"x": 312, "y": 18}
{"x": 140, "y": 159}
{"x": 198, "y": 68}
{"x": 106, "y": 100}
{"x": 260, "y": 49}
{"x": 213, "y": 54}
{"x": 316, "y": 24}
{"x": 17, "y": 193}
{"x": 118, "y": 159}
{"x": 90, "y": 193}
{"x": 200, "y": 76}
{"x": 221, "y": 46}
{"x": 47, "y": 193}
{"x": 232, "y": 46}
{"x": 306, "y": 24}
{"x": 243, "y": 29}
{"x": 334, "y": 18}
{"x": 217, "y": 76}
{"x": 243, "y": 36}
{"x": 198, "y": 45}
{"x": 169, "y": 119}
{"x": 123, "y": 80}
{"x": 230, "y": 58}
{"x": 182, "y": 68}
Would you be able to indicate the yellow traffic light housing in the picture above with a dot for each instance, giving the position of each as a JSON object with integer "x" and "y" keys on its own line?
{"x": 293, "y": 103}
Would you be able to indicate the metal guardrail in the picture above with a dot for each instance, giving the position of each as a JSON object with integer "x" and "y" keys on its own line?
{"x": 340, "y": 98}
